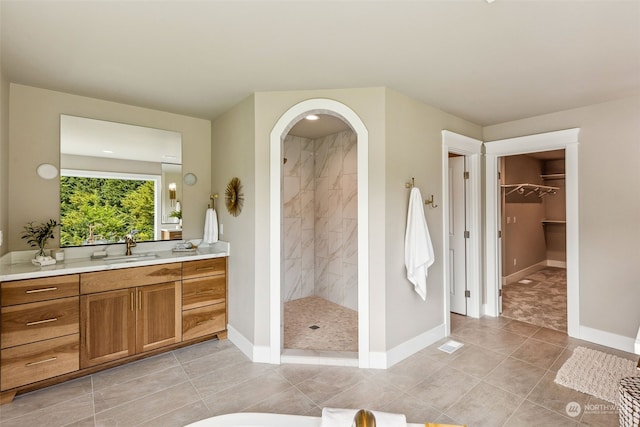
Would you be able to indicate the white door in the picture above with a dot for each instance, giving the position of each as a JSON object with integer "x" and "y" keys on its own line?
{"x": 457, "y": 241}
{"x": 501, "y": 230}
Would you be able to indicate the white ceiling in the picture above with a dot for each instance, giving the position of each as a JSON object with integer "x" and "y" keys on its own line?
{"x": 488, "y": 63}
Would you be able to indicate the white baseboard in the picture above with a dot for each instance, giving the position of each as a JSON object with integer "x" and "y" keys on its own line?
{"x": 608, "y": 339}
{"x": 258, "y": 354}
{"x": 377, "y": 360}
{"x": 514, "y": 277}
{"x": 554, "y": 263}
{"x": 412, "y": 346}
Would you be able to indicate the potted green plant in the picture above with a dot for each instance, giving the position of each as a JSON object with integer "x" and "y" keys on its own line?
{"x": 177, "y": 214}
{"x": 38, "y": 235}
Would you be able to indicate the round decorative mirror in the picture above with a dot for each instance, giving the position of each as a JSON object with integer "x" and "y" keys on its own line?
{"x": 234, "y": 199}
{"x": 190, "y": 178}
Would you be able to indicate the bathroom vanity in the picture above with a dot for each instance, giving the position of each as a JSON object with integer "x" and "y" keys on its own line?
{"x": 85, "y": 316}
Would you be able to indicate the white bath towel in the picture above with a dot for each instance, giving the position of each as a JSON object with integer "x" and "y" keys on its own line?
{"x": 210, "y": 227}
{"x": 336, "y": 417}
{"x": 418, "y": 250}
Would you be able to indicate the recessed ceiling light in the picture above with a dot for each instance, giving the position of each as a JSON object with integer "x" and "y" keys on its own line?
{"x": 107, "y": 151}
{"x": 312, "y": 117}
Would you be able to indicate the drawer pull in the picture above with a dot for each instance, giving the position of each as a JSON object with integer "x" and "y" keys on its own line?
{"x": 40, "y": 322}
{"x": 204, "y": 268}
{"x": 51, "y": 359}
{"x": 35, "y": 291}
{"x": 205, "y": 291}
{"x": 201, "y": 322}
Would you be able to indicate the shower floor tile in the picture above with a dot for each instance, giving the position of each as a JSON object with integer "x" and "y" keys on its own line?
{"x": 337, "y": 326}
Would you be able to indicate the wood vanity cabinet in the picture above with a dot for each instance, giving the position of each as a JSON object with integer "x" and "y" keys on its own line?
{"x": 39, "y": 334}
{"x": 58, "y": 328}
{"x": 204, "y": 298}
{"x": 120, "y": 320}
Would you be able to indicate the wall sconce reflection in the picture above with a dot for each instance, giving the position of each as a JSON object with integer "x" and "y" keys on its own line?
{"x": 172, "y": 193}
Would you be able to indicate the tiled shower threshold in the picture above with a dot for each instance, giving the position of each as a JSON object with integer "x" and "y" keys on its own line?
{"x": 319, "y": 357}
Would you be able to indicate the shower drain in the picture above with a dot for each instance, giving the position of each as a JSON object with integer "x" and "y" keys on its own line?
{"x": 314, "y": 327}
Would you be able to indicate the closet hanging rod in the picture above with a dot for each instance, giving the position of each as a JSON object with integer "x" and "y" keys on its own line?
{"x": 541, "y": 190}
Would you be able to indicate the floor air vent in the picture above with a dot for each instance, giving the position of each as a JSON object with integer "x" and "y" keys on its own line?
{"x": 450, "y": 346}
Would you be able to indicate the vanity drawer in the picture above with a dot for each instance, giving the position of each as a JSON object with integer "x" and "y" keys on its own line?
{"x": 29, "y": 363}
{"x": 203, "y": 321}
{"x": 34, "y": 290}
{"x": 27, "y": 323}
{"x": 203, "y": 291}
{"x": 204, "y": 267}
{"x": 122, "y": 278}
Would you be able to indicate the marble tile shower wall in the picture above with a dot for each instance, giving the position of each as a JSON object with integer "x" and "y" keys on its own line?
{"x": 320, "y": 218}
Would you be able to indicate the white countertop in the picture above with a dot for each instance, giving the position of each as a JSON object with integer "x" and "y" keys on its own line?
{"x": 26, "y": 270}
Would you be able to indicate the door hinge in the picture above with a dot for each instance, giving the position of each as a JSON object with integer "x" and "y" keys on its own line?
{"x": 499, "y": 175}
{"x": 466, "y": 175}
{"x": 499, "y": 234}
{"x": 466, "y": 234}
{"x": 467, "y": 294}
{"x": 499, "y": 292}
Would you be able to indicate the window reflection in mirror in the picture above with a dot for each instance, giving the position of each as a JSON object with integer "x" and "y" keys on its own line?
{"x": 117, "y": 178}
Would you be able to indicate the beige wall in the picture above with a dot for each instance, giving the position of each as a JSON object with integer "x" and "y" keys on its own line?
{"x": 413, "y": 148}
{"x": 4, "y": 160}
{"x": 404, "y": 141}
{"x": 523, "y": 235}
{"x": 609, "y": 207}
{"x": 34, "y": 134}
{"x": 233, "y": 142}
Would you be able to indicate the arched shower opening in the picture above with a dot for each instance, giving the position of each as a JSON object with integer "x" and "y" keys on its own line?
{"x": 319, "y": 207}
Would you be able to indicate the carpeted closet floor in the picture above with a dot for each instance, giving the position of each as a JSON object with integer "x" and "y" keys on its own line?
{"x": 542, "y": 301}
{"x": 337, "y": 326}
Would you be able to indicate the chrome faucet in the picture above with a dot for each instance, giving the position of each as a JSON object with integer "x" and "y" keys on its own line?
{"x": 129, "y": 241}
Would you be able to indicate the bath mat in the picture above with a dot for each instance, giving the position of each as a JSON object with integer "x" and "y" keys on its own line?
{"x": 595, "y": 373}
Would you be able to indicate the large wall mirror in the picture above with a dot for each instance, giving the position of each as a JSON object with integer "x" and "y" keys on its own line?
{"x": 117, "y": 178}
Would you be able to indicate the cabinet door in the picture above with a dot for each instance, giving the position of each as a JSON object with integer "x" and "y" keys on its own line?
{"x": 108, "y": 326}
{"x": 159, "y": 321}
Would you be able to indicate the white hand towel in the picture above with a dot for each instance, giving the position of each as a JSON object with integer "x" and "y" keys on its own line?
{"x": 418, "y": 250}
{"x": 336, "y": 417}
{"x": 210, "y": 227}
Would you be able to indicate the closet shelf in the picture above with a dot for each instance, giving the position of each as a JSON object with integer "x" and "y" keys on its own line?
{"x": 553, "y": 176}
{"x": 554, "y": 221}
{"x": 526, "y": 189}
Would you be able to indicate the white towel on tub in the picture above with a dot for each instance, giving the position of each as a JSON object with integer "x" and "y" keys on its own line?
{"x": 337, "y": 417}
{"x": 418, "y": 250}
{"x": 210, "y": 227}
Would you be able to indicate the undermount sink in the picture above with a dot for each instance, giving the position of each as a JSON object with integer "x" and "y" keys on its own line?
{"x": 130, "y": 258}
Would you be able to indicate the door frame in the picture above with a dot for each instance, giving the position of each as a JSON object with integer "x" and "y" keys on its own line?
{"x": 279, "y": 131}
{"x": 557, "y": 140}
{"x": 472, "y": 150}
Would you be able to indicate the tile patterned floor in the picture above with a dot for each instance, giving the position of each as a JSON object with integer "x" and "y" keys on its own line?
{"x": 337, "y": 326}
{"x": 542, "y": 302}
{"x": 502, "y": 376}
